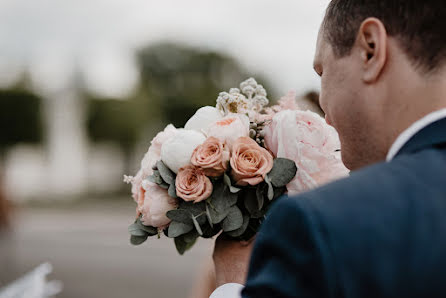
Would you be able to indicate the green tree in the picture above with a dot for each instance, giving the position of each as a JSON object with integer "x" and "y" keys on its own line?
{"x": 20, "y": 122}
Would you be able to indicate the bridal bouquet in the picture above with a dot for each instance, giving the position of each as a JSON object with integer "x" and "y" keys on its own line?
{"x": 222, "y": 171}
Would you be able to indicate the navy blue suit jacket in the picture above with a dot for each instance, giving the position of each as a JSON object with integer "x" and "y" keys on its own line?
{"x": 379, "y": 233}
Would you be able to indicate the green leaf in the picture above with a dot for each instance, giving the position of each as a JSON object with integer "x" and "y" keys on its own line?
{"x": 209, "y": 232}
{"x": 234, "y": 220}
{"x": 197, "y": 226}
{"x": 228, "y": 183}
{"x": 270, "y": 188}
{"x": 191, "y": 236}
{"x": 135, "y": 230}
{"x": 250, "y": 201}
{"x": 283, "y": 172}
{"x": 279, "y": 191}
{"x": 242, "y": 229}
{"x": 208, "y": 214}
{"x": 167, "y": 175}
{"x": 164, "y": 185}
{"x": 222, "y": 199}
{"x": 180, "y": 215}
{"x": 196, "y": 209}
{"x": 260, "y": 195}
{"x": 178, "y": 228}
{"x": 137, "y": 240}
{"x": 157, "y": 177}
{"x": 217, "y": 216}
{"x": 173, "y": 191}
{"x": 152, "y": 231}
{"x": 182, "y": 246}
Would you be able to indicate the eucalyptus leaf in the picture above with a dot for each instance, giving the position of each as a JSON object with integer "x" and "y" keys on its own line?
{"x": 178, "y": 228}
{"x": 152, "y": 231}
{"x": 217, "y": 216}
{"x": 191, "y": 236}
{"x": 164, "y": 185}
{"x": 283, "y": 172}
{"x": 234, "y": 220}
{"x": 173, "y": 191}
{"x": 135, "y": 230}
{"x": 197, "y": 225}
{"x": 279, "y": 191}
{"x": 260, "y": 194}
{"x": 270, "y": 188}
{"x": 209, "y": 232}
{"x": 137, "y": 240}
{"x": 228, "y": 183}
{"x": 250, "y": 201}
{"x": 181, "y": 245}
{"x": 157, "y": 177}
{"x": 167, "y": 175}
{"x": 209, "y": 216}
{"x": 180, "y": 215}
{"x": 242, "y": 229}
{"x": 196, "y": 209}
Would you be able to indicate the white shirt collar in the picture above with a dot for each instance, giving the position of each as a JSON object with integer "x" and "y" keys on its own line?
{"x": 406, "y": 135}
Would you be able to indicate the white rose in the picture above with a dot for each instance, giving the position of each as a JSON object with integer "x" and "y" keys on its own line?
{"x": 177, "y": 151}
{"x": 203, "y": 118}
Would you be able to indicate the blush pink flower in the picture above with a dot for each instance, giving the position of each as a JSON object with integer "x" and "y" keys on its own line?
{"x": 150, "y": 158}
{"x": 155, "y": 206}
{"x": 250, "y": 163}
{"x": 306, "y": 138}
{"x": 212, "y": 157}
{"x": 192, "y": 184}
{"x": 230, "y": 128}
{"x": 154, "y": 153}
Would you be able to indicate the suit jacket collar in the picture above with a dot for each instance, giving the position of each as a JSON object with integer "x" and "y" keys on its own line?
{"x": 432, "y": 135}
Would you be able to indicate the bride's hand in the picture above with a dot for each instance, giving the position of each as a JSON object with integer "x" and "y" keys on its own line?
{"x": 231, "y": 260}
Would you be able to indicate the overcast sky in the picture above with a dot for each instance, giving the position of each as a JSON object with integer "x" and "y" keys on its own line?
{"x": 275, "y": 38}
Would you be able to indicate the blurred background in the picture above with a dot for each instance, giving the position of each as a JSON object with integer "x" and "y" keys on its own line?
{"x": 84, "y": 87}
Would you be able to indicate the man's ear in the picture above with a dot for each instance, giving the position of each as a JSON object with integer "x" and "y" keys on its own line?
{"x": 372, "y": 44}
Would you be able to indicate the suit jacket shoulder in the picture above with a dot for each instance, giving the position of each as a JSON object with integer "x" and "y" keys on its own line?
{"x": 380, "y": 232}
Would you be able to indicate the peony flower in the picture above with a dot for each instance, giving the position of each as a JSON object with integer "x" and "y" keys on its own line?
{"x": 177, "y": 151}
{"x": 156, "y": 204}
{"x": 203, "y": 118}
{"x": 192, "y": 185}
{"x": 149, "y": 160}
{"x": 154, "y": 153}
{"x": 305, "y": 138}
{"x": 230, "y": 128}
{"x": 250, "y": 163}
{"x": 212, "y": 157}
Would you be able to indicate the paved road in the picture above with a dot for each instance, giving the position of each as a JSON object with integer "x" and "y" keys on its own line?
{"x": 89, "y": 249}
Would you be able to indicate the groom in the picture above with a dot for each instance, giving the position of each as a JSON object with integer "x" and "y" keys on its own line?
{"x": 382, "y": 231}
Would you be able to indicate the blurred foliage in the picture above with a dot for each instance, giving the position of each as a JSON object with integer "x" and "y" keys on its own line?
{"x": 20, "y": 118}
{"x": 115, "y": 120}
{"x": 180, "y": 80}
{"x": 175, "y": 82}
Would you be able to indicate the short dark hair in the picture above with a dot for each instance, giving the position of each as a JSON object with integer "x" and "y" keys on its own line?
{"x": 418, "y": 25}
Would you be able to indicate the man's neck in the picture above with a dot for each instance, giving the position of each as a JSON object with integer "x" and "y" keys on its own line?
{"x": 415, "y": 99}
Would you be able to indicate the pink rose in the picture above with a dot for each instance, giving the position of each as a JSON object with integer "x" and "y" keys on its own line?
{"x": 250, "y": 163}
{"x": 306, "y": 138}
{"x": 192, "y": 185}
{"x": 230, "y": 128}
{"x": 156, "y": 204}
{"x": 212, "y": 157}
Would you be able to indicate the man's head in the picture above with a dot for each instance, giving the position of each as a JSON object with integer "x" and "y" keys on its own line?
{"x": 375, "y": 57}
